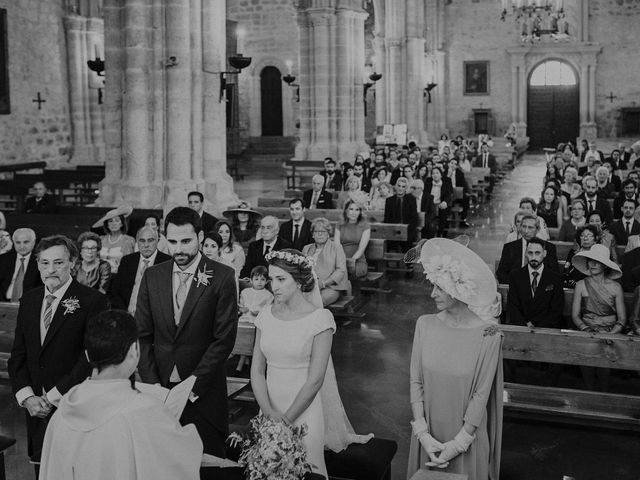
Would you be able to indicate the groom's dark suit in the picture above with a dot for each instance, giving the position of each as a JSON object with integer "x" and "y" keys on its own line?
{"x": 59, "y": 361}
{"x": 199, "y": 345}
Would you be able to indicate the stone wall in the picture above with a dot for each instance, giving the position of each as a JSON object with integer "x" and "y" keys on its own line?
{"x": 37, "y": 63}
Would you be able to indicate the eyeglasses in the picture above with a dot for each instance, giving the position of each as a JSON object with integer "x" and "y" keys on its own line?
{"x": 89, "y": 248}
{"x": 320, "y": 231}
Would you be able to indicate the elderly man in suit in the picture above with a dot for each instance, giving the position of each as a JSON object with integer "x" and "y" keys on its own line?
{"x": 402, "y": 208}
{"x": 187, "y": 319}
{"x": 41, "y": 202}
{"x": 317, "y": 196}
{"x": 18, "y": 267}
{"x": 125, "y": 285}
{"x": 269, "y": 229}
{"x": 514, "y": 253}
{"x": 47, "y": 357}
{"x": 196, "y": 203}
{"x": 297, "y": 231}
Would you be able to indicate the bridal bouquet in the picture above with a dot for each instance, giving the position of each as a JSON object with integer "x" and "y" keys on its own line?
{"x": 272, "y": 450}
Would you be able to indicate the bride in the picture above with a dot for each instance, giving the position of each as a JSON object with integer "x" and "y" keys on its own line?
{"x": 293, "y": 339}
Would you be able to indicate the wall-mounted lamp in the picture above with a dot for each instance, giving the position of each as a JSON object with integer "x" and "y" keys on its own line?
{"x": 239, "y": 62}
{"x": 427, "y": 91}
{"x": 97, "y": 66}
{"x": 289, "y": 79}
{"x": 374, "y": 77}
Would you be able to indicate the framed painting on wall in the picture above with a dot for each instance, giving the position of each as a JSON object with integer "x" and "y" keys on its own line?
{"x": 5, "y": 105}
{"x": 476, "y": 77}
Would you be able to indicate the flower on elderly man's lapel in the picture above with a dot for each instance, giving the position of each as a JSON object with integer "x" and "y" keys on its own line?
{"x": 203, "y": 276}
{"x": 70, "y": 305}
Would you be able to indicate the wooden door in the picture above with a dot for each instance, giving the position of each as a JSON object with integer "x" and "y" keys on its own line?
{"x": 553, "y": 115}
{"x": 271, "y": 101}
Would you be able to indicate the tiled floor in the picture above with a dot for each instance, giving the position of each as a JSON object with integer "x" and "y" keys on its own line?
{"x": 372, "y": 363}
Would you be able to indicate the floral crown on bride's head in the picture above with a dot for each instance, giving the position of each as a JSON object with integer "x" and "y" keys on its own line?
{"x": 293, "y": 258}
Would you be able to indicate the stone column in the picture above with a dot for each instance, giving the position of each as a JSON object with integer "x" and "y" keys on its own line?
{"x": 331, "y": 72}
{"x": 165, "y": 125}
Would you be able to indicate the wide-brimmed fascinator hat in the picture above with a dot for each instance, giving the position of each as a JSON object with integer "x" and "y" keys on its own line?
{"x": 122, "y": 210}
{"x": 599, "y": 253}
{"x": 243, "y": 207}
{"x": 458, "y": 271}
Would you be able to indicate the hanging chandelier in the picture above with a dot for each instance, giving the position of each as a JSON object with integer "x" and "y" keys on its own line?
{"x": 538, "y": 18}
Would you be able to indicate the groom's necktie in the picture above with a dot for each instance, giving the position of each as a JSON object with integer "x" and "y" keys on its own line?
{"x": 181, "y": 294}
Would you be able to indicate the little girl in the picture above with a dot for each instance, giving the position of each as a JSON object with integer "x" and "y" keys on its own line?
{"x": 253, "y": 299}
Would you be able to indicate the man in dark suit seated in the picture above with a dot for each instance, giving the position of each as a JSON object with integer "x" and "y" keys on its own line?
{"x": 41, "y": 202}
{"x": 297, "y": 231}
{"x": 125, "y": 285}
{"x": 625, "y": 227}
{"x": 18, "y": 267}
{"x": 358, "y": 172}
{"x": 593, "y": 201}
{"x": 269, "y": 228}
{"x": 317, "y": 196}
{"x": 628, "y": 191}
{"x": 535, "y": 295}
{"x": 486, "y": 159}
{"x": 513, "y": 253}
{"x": 196, "y": 202}
{"x": 402, "y": 208}
{"x": 631, "y": 270}
{"x": 332, "y": 178}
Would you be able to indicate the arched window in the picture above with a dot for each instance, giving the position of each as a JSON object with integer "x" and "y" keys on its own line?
{"x": 553, "y": 72}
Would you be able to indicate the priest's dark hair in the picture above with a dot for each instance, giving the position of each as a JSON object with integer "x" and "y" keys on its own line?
{"x": 108, "y": 337}
{"x": 180, "y": 216}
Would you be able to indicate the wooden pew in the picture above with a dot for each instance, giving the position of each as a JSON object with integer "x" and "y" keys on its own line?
{"x": 570, "y": 347}
{"x": 245, "y": 338}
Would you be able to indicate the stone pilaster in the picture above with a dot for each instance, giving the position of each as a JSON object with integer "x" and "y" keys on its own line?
{"x": 165, "y": 126}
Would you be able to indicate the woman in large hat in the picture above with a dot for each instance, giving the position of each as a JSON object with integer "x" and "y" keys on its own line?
{"x": 245, "y": 223}
{"x": 456, "y": 366}
{"x": 115, "y": 241}
{"x": 598, "y": 302}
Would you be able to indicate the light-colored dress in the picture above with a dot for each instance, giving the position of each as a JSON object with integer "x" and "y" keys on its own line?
{"x": 113, "y": 252}
{"x": 254, "y": 300}
{"x": 350, "y": 236}
{"x": 98, "y": 277}
{"x": 234, "y": 258}
{"x": 598, "y": 308}
{"x": 287, "y": 346}
{"x": 457, "y": 374}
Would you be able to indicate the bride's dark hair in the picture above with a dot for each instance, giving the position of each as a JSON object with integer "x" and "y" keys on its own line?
{"x": 301, "y": 272}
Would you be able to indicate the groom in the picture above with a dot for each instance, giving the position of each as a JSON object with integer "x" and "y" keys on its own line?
{"x": 187, "y": 320}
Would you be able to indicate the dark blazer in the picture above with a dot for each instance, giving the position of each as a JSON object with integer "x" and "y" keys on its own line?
{"x": 511, "y": 259}
{"x": 395, "y": 175}
{"x": 365, "y": 183}
{"x": 325, "y": 200}
{"x": 59, "y": 361}
{"x": 202, "y": 341}
{"x": 46, "y": 205}
{"x": 617, "y": 205}
{"x": 7, "y": 267}
{"x": 304, "y": 236}
{"x": 446, "y": 195}
{"x": 255, "y": 256}
{"x": 619, "y": 232}
{"x": 542, "y": 310}
{"x": 122, "y": 282}
{"x": 631, "y": 270}
{"x": 208, "y": 222}
{"x": 336, "y": 181}
{"x": 602, "y": 205}
{"x": 491, "y": 162}
{"x": 408, "y": 216}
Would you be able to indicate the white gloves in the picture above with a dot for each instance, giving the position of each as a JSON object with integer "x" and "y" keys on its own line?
{"x": 460, "y": 444}
{"x": 430, "y": 444}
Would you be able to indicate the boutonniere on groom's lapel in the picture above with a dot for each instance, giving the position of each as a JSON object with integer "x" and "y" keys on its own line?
{"x": 70, "y": 305}
{"x": 202, "y": 277}
{"x": 548, "y": 288}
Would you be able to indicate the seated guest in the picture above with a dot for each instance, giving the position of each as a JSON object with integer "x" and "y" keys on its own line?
{"x": 613, "y": 178}
{"x": 627, "y": 226}
{"x": 634, "y": 316}
{"x": 535, "y": 294}
{"x": 591, "y": 153}
{"x": 269, "y": 228}
{"x": 353, "y": 232}
{"x": 254, "y": 298}
{"x": 231, "y": 252}
{"x": 105, "y": 428}
{"x": 115, "y": 241}
{"x": 598, "y": 303}
{"x": 296, "y": 231}
{"x": 5, "y": 238}
{"x": 317, "y": 196}
{"x": 90, "y": 270}
{"x": 485, "y": 159}
{"x": 578, "y": 218}
{"x": 606, "y": 238}
{"x": 352, "y": 192}
{"x": 379, "y": 176}
{"x": 436, "y": 202}
{"x": 123, "y": 293}
{"x": 513, "y": 253}
{"x": 196, "y": 203}
{"x": 528, "y": 205}
{"x": 246, "y": 223}
{"x": 41, "y": 202}
{"x": 628, "y": 192}
{"x": 364, "y": 183}
{"x": 552, "y": 173}
{"x": 631, "y": 270}
{"x": 595, "y": 201}
{"x": 381, "y": 192}
{"x": 416, "y": 188}
{"x": 155, "y": 222}
{"x": 586, "y": 237}
{"x": 606, "y": 189}
{"x": 456, "y": 176}
{"x": 347, "y": 171}
{"x": 549, "y": 208}
{"x": 211, "y": 245}
{"x": 330, "y": 261}
{"x": 18, "y": 267}
{"x": 332, "y": 178}
{"x": 402, "y": 208}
